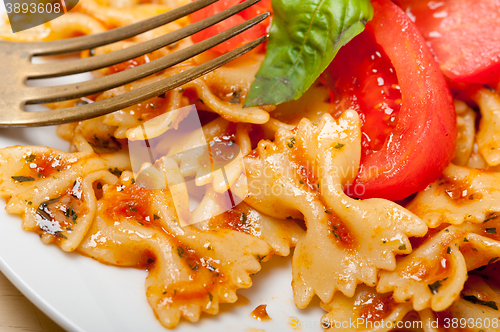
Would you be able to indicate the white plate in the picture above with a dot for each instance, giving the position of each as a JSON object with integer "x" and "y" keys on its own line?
{"x": 81, "y": 294}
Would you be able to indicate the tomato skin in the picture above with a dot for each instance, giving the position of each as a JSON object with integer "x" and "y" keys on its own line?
{"x": 464, "y": 35}
{"x": 423, "y": 142}
{"x": 243, "y": 38}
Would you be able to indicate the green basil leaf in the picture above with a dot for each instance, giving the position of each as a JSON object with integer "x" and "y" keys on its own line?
{"x": 304, "y": 38}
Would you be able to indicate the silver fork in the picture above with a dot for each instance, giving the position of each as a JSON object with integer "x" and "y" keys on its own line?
{"x": 16, "y": 67}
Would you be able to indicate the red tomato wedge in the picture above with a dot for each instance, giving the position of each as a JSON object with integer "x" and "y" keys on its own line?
{"x": 390, "y": 77}
{"x": 243, "y": 38}
{"x": 464, "y": 35}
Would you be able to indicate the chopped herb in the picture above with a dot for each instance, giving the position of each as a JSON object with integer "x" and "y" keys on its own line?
{"x": 140, "y": 223}
{"x": 402, "y": 247}
{"x": 243, "y": 218}
{"x": 260, "y": 258}
{"x": 162, "y": 96}
{"x": 30, "y": 158}
{"x": 194, "y": 268}
{"x": 131, "y": 208}
{"x": 434, "y": 287}
{"x": 211, "y": 268}
{"x": 292, "y": 142}
{"x": 339, "y": 146}
{"x": 210, "y": 297}
{"x": 334, "y": 228}
{"x": 141, "y": 119}
{"x": 180, "y": 251}
{"x": 447, "y": 230}
{"x": 181, "y": 90}
{"x": 326, "y": 211}
{"x": 23, "y": 178}
{"x": 209, "y": 248}
{"x": 165, "y": 292}
{"x": 289, "y": 217}
{"x": 115, "y": 171}
{"x": 60, "y": 234}
{"x": 236, "y": 97}
{"x": 475, "y": 300}
{"x": 491, "y": 230}
{"x": 474, "y": 249}
{"x": 465, "y": 239}
{"x": 491, "y": 216}
{"x": 132, "y": 180}
{"x": 493, "y": 260}
{"x": 301, "y": 182}
{"x": 70, "y": 213}
{"x": 201, "y": 101}
{"x": 69, "y": 229}
{"x": 448, "y": 251}
{"x": 151, "y": 261}
{"x": 155, "y": 216}
{"x": 170, "y": 124}
{"x": 384, "y": 241}
{"x": 30, "y": 202}
{"x": 42, "y": 210}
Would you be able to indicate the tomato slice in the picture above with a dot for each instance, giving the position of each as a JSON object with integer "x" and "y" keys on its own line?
{"x": 243, "y": 38}
{"x": 362, "y": 78}
{"x": 390, "y": 77}
{"x": 463, "y": 35}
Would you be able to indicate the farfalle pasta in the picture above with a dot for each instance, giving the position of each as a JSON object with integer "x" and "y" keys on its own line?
{"x": 289, "y": 181}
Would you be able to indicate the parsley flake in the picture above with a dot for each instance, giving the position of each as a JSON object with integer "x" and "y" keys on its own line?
{"x": 434, "y": 287}
{"x": 23, "y": 178}
{"x": 475, "y": 300}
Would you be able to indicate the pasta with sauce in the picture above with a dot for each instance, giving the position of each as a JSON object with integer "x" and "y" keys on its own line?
{"x": 372, "y": 259}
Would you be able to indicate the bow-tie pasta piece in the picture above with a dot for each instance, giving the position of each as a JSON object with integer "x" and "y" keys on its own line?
{"x": 477, "y": 308}
{"x": 488, "y": 136}
{"x": 461, "y": 194}
{"x": 433, "y": 275}
{"x": 53, "y": 191}
{"x": 303, "y": 173}
{"x": 366, "y": 311}
{"x": 466, "y": 131}
{"x": 280, "y": 234}
{"x": 128, "y": 121}
{"x": 190, "y": 270}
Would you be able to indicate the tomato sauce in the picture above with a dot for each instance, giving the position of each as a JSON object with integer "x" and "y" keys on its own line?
{"x": 375, "y": 308}
{"x": 204, "y": 279}
{"x": 339, "y": 231}
{"x": 260, "y": 313}
{"x": 131, "y": 202}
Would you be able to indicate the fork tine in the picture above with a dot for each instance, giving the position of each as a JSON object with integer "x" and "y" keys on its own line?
{"x": 46, "y": 94}
{"x": 56, "y": 69}
{"x": 92, "y": 41}
{"x": 79, "y": 113}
